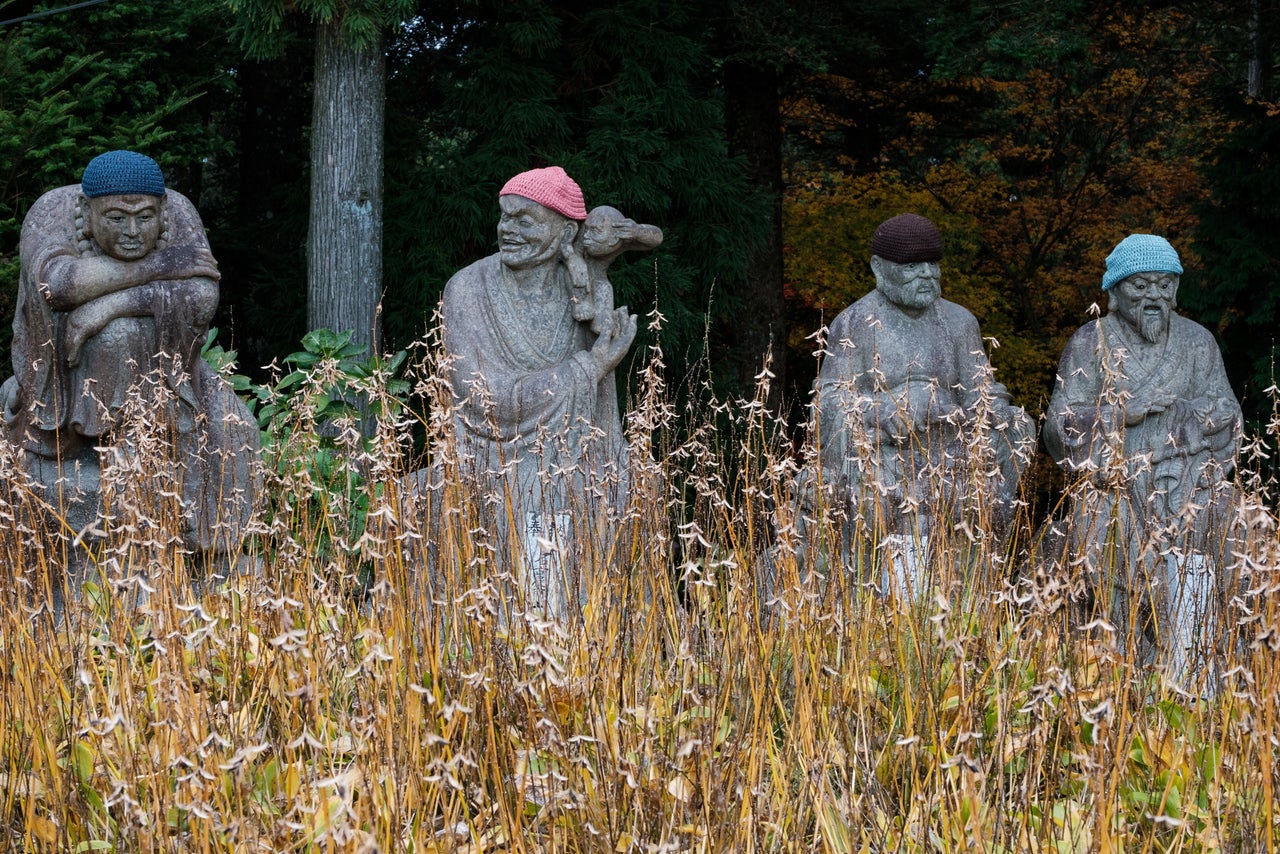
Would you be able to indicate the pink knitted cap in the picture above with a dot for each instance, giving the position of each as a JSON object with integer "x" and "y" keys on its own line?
{"x": 552, "y": 188}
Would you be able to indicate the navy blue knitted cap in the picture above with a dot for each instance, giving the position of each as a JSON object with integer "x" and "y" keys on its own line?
{"x": 122, "y": 173}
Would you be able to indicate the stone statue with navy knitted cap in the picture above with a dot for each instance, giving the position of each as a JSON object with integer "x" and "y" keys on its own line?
{"x": 1144, "y": 414}
{"x": 116, "y": 291}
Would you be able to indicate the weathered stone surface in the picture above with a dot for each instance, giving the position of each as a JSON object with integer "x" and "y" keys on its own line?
{"x": 532, "y": 340}
{"x": 115, "y": 295}
{"x": 1143, "y": 413}
{"x": 910, "y": 421}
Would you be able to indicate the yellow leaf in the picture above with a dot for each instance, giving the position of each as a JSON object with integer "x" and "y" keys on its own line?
{"x": 292, "y": 781}
{"x": 680, "y": 788}
{"x": 325, "y": 817}
{"x": 43, "y": 829}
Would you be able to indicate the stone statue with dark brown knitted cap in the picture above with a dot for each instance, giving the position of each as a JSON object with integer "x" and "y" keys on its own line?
{"x": 1144, "y": 413}
{"x": 912, "y": 428}
{"x": 116, "y": 290}
{"x": 533, "y": 339}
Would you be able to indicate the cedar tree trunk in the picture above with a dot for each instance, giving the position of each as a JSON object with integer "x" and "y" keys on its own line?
{"x": 344, "y": 240}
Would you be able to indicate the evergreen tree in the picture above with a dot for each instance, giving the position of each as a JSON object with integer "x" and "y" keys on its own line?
{"x": 117, "y": 75}
{"x": 621, "y": 94}
{"x": 1234, "y": 293}
{"x": 344, "y": 237}
{"x": 768, "y": 51}
{"x": 262, "y": 230}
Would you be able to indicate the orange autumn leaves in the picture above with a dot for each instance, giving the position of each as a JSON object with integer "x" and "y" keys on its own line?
{"x": 1032, "y": 177}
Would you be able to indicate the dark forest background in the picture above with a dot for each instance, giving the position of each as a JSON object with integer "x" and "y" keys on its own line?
{"x": 767, "y": 139}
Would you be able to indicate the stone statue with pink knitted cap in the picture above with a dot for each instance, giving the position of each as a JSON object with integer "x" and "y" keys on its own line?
{"x": 532, "y": 340}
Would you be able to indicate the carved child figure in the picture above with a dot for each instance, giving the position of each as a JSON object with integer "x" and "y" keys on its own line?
{"x": 605, "y": 235}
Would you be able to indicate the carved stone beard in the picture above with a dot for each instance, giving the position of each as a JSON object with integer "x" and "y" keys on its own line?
{"x": 909, "y": 294}
{"x": 912, "y": 297}
{"x": 1154, "y": 328}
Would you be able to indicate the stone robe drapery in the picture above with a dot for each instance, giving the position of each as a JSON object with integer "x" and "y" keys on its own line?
{"x": 1169, "y": 458}
{"x": 881, "y": 361}
{"x": 530, "y": 415}
{"x": 52, "y": 402}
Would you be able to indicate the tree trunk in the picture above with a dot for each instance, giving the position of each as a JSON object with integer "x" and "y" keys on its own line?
{"x": 1257, "y": 63}
{"x": 755, "y": 132}
{"x": 344, "y": 240}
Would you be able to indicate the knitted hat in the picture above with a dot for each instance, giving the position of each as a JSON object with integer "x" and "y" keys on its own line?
{"x": 1140, "y": 253}
{"x": 552, "y": 188}
{"x": 122, "y": 173}
{"x": 906, "y": 238}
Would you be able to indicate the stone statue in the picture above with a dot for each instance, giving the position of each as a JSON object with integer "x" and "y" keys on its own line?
{"x": 117, "y": 287}
{"x": 909, "y": 419}
{"x": 1142, "y": 406}
{"x": 605, "y": 235}
{"x": 532, "y": 339}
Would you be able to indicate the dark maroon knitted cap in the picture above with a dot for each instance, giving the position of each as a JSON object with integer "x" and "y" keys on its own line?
{"x": 906, "y": 238}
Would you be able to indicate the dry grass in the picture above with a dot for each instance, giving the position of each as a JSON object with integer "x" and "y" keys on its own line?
{"x": 377, "y": 685}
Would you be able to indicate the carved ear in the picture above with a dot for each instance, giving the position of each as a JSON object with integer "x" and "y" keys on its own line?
{"x": 570, "y": 231}
{"x": 86, "y": 221}
{"x": 877, "y": 267}
{"x": 164, "y": 219}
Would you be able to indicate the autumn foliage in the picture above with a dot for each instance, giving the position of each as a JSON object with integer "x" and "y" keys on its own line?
{"x": 1034, "y": 163}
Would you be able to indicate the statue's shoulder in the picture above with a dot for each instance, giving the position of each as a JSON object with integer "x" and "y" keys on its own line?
{"x": 1084, "y": 342}
{"x": 467, "y": 286}
{"x": 180, "y": 205}
{"x": 860, "y": 316}
{"x": 51, "y": 226}
{"x": 185, "y": 225}
{"x": 474, "y": 273}
{"x": 56, "y": 204}
{"x": 954, "y": 314}
{"x": 1088, "y": 333}
{"x": 1186, "y": 329}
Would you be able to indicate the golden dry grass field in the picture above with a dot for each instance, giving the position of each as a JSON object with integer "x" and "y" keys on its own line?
{"x": 373, "y": 679}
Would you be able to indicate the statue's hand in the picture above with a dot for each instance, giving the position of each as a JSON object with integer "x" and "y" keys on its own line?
{"x": 186, "y": 262}
{"x": 1216, "y": 414}
{"x": 889, "y": 423}
{"x": 943, "y": 412}
{"x": 614, "y": 342}
{"x": 81, "y": 325}
{"x": 1147, "y": 402}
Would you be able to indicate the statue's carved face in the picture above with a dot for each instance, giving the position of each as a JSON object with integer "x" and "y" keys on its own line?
{"x": 125, "y": 227}
{"x": 914, "y": 285}
{"x": 1145, "y": 301}
{"x": 603, "y": 230}
{"x": 528, "y": 233}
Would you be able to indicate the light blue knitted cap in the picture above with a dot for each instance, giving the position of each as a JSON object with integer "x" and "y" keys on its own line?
{"x": 1140, "y": 253}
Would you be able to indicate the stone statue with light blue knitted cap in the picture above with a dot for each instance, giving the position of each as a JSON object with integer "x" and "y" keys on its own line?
{"x": 116, "y": 289}
{"x": 1144, "y": 415}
